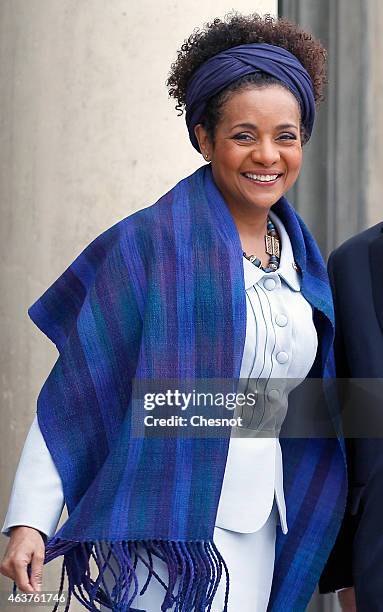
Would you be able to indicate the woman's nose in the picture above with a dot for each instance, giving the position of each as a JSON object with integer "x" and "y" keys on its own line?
{"x": 265, "y": 153}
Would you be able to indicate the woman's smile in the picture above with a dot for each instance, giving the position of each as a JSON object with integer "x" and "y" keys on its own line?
{"x": 263, "y": 180}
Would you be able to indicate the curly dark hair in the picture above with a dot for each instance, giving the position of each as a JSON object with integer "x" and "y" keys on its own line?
{"x": 236, "y": 29}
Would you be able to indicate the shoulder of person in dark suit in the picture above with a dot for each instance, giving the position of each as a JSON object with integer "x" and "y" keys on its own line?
{"x": 357, "y": 241}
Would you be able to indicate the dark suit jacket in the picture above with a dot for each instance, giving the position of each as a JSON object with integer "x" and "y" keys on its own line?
{"x": 356, "y": 275}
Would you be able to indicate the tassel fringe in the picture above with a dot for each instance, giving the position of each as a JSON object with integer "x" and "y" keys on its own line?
{"x": 194, "y": 571}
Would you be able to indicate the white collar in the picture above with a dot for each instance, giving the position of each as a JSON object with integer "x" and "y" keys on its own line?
{"x": 287, "y": 267}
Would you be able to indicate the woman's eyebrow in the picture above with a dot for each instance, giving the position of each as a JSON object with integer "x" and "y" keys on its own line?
{"x": 252, "y": 126}
{"x": 283, "y": 126}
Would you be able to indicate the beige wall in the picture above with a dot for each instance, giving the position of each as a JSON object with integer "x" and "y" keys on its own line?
{"x": 88, "y": 135}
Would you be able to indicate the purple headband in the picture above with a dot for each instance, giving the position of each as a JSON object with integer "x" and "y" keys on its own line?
{"x": 230, "y": 65}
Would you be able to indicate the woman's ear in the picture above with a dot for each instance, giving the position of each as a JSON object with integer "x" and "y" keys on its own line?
{"x": 203, "y": 141}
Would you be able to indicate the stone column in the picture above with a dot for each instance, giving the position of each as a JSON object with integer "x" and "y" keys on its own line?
{"x": 374, "y": 68}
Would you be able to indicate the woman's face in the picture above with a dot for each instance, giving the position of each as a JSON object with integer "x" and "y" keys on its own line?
{"x": 256, "y": 139}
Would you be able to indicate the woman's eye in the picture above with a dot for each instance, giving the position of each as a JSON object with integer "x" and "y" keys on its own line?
{"x": 242, "y": 137}
{"x": 288, "y": 136}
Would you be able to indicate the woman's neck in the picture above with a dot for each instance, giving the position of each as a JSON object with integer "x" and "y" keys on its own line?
{"x": 252, "y": 229}
{"x": 251, "y": 225}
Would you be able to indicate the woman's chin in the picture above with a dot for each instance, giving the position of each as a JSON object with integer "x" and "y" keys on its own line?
{"x": 264, "y": 203}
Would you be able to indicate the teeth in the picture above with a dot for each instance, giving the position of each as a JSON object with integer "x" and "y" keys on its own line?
{"x": 262, "y": 177}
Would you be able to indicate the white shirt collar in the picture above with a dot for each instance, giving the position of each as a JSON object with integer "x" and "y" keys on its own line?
{"x": 287, "y": 267}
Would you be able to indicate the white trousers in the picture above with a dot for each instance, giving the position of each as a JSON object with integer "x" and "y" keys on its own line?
{"x": 250, "y": 561}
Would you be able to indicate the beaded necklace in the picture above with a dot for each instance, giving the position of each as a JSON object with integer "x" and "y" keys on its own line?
{"x": 272, "y": 249}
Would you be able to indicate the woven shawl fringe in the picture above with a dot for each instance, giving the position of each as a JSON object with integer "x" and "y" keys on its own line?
{"x": 198, "y": 565}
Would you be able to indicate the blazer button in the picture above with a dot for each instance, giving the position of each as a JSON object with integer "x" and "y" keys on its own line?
{"x": 269, "y": 284}
{"x": 281, "y": 320}
{"x": 273, "y": 395}
{"x": 282, "y": 357}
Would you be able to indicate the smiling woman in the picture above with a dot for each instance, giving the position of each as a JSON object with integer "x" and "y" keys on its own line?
{"x": 250, "y": 85}
{"x": 196, "y": 524}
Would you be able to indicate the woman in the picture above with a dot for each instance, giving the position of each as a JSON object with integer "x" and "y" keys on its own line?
{"x": 220, "y": 279}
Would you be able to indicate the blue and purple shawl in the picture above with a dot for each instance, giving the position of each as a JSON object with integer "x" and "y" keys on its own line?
{"x": 160, "y": 295}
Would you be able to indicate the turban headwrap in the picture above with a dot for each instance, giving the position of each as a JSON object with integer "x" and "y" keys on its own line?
{"x": 222, "y": 69}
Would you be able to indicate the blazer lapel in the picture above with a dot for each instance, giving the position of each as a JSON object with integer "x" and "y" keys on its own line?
{"x": 376, "y": 267}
